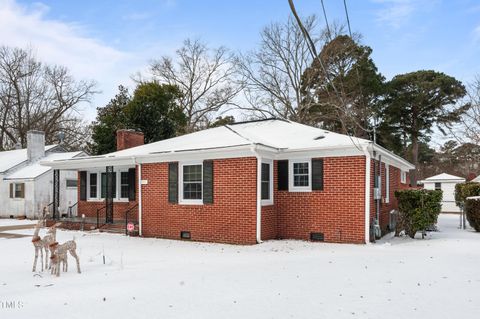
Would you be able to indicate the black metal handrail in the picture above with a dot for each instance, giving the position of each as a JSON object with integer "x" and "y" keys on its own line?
{"x": 98, "y": 215}
{"x": 126, "y": 217}
{"x": 70, "y": 209}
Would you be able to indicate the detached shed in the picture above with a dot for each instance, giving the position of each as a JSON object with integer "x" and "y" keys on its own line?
{"x": 446, "y": 183}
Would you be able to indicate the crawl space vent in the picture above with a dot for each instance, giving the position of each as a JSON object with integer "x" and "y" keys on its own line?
{"x": 185, "y": 235}
{"x": 316, "y": 237}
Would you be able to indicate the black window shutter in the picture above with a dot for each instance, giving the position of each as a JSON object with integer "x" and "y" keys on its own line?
{"x": 317, "y": 174}
{"x": 83, "y": 185}
{"x": 173, "y": 183}
{"x": 11, "y": 190}
{"x": 208, "y": 182}
{"x": 282, "y": 172}
{"x": 131, "y": 184}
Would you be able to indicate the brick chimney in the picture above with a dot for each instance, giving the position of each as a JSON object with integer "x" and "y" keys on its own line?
{"x": 35, "y": 145}
{"x": 129, "y": 138}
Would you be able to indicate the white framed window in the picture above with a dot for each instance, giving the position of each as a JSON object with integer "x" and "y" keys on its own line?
{"x": 387, "y": 183}
{"x": 71, "y": 183}
{"x": 97, "y": 185}
{"x": 191, "y": 183}
{"x": 267, "y": 182}
{"x": 300, "y": 176}
{"x": 17, "y": 190}
{"x": 403, "y": 177}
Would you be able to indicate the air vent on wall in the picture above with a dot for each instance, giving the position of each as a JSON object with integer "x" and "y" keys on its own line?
{"x": 316, "y": 237}
{"x": 185, "y": 235}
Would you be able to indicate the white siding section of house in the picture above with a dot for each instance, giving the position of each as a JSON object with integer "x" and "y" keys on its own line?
{"x": 448, "y": 200}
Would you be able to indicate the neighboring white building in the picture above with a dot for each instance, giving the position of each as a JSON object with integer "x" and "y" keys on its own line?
{"x": 476, "y": 179}
{"x": 446, "y": 183}
{"x": 26, "y": 186}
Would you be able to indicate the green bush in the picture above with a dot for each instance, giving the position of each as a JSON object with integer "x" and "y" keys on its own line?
{"x": 472, "y": 210}
{"x": 418, "y": 209}
{"x": 464, "y": 190}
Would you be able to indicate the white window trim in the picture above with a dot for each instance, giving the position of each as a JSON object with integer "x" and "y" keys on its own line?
{"x": 98, "y": 198}
{"x": 14, "y": 191}
{"x": 403, "y": 177}
{"x": 266, "y": 202}
{"x": 387, "y": 183}
{"x": 181, "y": 200}
{"x": 291, "y": 187}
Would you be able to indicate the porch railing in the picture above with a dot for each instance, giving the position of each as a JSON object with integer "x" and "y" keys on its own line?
{"x": 98, "y": 215}
{"x": 70, "y": 209}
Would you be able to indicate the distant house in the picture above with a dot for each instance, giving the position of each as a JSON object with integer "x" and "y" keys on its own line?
{"x": 446, "y": 183}
{"x": 26, "y": 186}
{"x": 243, "y": 183}
{"x": 476, "y": 179}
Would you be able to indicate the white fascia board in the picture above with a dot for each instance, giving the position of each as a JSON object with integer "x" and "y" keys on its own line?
{"x": 391, "y": 158}
{"x": 340, "y": 151}
{"x": 90, "y": 162}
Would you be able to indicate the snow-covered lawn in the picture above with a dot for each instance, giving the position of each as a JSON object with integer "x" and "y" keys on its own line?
{"x": 438, "y": 277}
{"x": 16, "y": 222}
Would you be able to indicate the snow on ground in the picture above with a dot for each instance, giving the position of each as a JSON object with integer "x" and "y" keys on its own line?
{"x": 438, "y": 277}
{"x": 16, "y": 222}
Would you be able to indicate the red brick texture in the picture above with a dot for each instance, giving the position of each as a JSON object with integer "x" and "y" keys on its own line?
{"x": 338, "y": 211}
{"x": 127, "y": 139}
{"x": 395, "y": 184}
{"x": 230, "y": 219}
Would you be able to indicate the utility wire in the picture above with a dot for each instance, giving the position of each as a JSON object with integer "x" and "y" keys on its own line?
{"x": 329, "y": 34}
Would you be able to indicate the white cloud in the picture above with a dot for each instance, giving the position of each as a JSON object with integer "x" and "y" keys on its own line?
{"x": 68, "y": 44}
{"x": 396, "y": 12}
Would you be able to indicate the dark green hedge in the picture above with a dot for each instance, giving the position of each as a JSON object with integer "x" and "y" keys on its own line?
{"x": 472, "y": 210}
{"x": 464, "y": 190}
{"x": 418, "y": 209}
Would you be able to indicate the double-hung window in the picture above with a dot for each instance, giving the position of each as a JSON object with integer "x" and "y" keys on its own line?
{"x": 267, "y": 183}
{"x": 93, "y": 185}
{"x": 191, "y": 183}
{"x": 17, "y": 190}
{"x": 124, "y": 185}
{"x": 300, "y": 173}
{"x": 403, "y": 177}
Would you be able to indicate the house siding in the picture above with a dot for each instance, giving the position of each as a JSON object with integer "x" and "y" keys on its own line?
{"x": 337, "y": 211}
{"x": 230, "y": 219}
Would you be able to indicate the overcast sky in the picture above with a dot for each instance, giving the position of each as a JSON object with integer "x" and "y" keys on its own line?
{"x": 108, "y": 41}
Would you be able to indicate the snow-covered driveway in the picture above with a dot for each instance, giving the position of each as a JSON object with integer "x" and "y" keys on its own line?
{"x": 438, "y": 277}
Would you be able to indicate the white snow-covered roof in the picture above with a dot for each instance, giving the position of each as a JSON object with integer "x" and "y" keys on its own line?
{"x": 476, "y": 179}
{"x": 35, "y": 170}
{"x": 442, "y": 178}
{"x": 275, "y": 135}
{"x": 10, "y": 159}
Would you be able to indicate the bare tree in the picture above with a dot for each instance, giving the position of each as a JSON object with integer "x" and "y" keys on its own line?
{"x": 38, "y": 96}
{"x": 470, "y": 124}
{"x": 273, "y": 73}
{"x": 206, "y": 77}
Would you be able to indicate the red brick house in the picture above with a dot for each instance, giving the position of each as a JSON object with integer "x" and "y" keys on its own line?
{"x": 244, "y": 183}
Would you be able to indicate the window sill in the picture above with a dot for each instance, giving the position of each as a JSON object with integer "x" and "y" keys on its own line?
{"x": 101, "y": 200}
{"x": 267, "y": 202}
{"x": 191, "y": 202}
{"x": 300, "y": 189}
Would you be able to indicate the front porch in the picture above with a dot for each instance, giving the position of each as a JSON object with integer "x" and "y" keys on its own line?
{"x": 107, "y": 200}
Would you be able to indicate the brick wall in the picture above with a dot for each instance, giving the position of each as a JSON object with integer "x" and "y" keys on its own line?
{"x": 395, "y": 184}
{"x": 230, "y": 219}
{"x": 338, "y": 211}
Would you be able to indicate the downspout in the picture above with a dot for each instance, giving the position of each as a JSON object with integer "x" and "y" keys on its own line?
{"x": 368, "y": 165}
{"x": 140, "y": 233}
{"x": 259, "y": 195}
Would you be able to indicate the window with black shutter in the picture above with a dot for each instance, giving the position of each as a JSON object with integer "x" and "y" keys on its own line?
{"x": 317, "y": 174}
{"x": 282, "y": 172}
{"x": 131, "y": 184}
{"x": 173, "y": 182}
{"x": 83, "y": 185}
{"x": 208, "y": 182}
